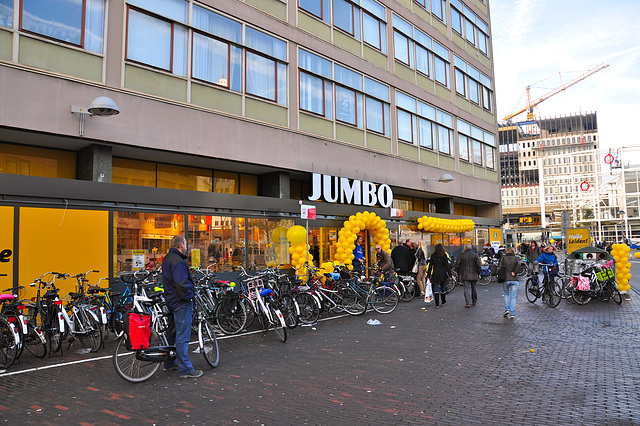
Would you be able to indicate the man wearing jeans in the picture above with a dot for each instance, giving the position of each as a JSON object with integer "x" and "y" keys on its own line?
{"x": 510, "y": 287}
{"x": 468, "y": 268}
{"x": 178, "y": 293}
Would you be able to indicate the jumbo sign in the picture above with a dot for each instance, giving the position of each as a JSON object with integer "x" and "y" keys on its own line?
{"x": 334, "y": 189}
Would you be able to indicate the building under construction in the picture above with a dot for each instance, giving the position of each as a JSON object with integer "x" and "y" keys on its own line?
{"x": 544, "y": 165}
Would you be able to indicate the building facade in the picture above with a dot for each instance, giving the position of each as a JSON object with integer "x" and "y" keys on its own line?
{"x": 227, "y": 111}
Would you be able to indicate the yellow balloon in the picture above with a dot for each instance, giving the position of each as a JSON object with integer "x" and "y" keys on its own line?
{"x": 297, "y": 235}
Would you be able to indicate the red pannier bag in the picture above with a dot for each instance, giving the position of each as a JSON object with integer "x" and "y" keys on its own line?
{"x": 137, "y": 331}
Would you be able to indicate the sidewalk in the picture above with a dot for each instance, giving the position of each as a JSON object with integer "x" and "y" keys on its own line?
{"x": 569, "y": 365}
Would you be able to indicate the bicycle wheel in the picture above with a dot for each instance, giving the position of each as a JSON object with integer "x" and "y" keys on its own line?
{"x": 384, "y": 300}
{"x": 309, "y": 308}
{"x": 450, "y": 285}
{"x": 580, "y": 297}
{"x": 276, "y": 325}
{"x": 55, "y": 336}
{"x": 553, "y": 294}
{"x": 614, "y": 294}
{"x": 251, "y": 314}
{"x": 88, "y": 330}
{"x": 131, "y": 368}
{"x": 352, "y": 302}
{"x": 522, "y": 269}
{"x": 208, "y": 343}
{"x": 410, "y": 290}
{"x": 35, "y": 342}
{"x": 232, "y": 323}
{"x": 531, "y": 290}
{"x": 8, "y": 345}
{"x": 484, "y": 279}
{"x": 289, "y": 311}
{"x": 565, "y": 292}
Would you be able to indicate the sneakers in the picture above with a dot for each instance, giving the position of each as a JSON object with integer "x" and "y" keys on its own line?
{"x": 193, "y": 375}
{"x": 173, "y": 368}
{"x": 512, "y": 316}
{"x": 506, "y": 314}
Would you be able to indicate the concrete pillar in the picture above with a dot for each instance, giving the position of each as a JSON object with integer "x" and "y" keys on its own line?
{"x": 94, "y": 163}
{"x": 276, "y": 185}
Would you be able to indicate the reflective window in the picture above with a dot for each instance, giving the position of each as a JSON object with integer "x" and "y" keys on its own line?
{"x": 312, "y": 94}
{"x": 169, "y": 46}
{"x": 346, "y": 16}
{"x": 32, "y": 161}
{"x": 6, "y": 13}
{"x": 318, "y": 8}
{"x": 79, "y": 22}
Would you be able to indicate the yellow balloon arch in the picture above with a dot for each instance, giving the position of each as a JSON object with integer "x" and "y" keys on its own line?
{"x": 348, "y": 234}
{"x": 445, "y": 226}
{"x": 620, "y": 253}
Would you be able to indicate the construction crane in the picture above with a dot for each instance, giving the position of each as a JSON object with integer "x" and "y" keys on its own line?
{"x": 532, "y": 104}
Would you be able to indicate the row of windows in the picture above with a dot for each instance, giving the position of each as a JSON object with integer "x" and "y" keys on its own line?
{"x": 207, "y": 46}
{"x": 420, "y": 52}
{"x": 472, "y": 84}
{"x": 469, "y": 26}
{"x": 475, "y": 145}
{"x": 565, "y": 160}
{"x": 563, "y": 141}
{"x": 362, "y": 19}
{"x": 565, "y": 169}
{"x": 359, "y": 100}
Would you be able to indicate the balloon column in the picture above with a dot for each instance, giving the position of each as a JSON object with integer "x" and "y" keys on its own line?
{"x": 620, "y": 253}
{"x": 298, "y": 248}
{"x": 356, "y": 223}
{"x": 446, "y": 226}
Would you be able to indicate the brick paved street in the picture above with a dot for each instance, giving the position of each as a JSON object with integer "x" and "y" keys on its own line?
{"x": 569, "y": 365}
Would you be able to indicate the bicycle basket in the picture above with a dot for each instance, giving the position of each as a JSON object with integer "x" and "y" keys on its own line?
{"x": 230, "y": 303}
{"x": 604, "y": 274}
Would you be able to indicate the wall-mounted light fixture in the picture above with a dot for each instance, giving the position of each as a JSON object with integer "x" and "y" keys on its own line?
{"x": 445, "y": 178}
{"x": 101, "y": 106}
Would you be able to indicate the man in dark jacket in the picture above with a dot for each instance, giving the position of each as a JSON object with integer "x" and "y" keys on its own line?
{"x": 178, "y": 293}
{"x": 468, "y": 267}
{"x": 402, "y": 259}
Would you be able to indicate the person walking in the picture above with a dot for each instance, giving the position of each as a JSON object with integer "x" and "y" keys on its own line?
{"x": 178, "y": 293}
{"x": 469, "y": 267}
{"x": 532, "y": 254}
{"x": 421, "y": 260}
{"x": 510, "y": 287}
{"x": 438, "y": 272}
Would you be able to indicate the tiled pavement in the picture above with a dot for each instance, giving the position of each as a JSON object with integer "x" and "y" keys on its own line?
{"x": 569, "y": 365}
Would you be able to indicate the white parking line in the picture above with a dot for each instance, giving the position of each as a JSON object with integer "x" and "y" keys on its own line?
{"x": 5, "y": 373}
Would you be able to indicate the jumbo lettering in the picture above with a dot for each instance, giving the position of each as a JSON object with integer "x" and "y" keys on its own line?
{"x": 332, "y": 188}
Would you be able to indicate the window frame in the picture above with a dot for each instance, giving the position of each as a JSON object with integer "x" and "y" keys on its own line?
{"x": 228, "y": 43}
{"x": 160, "y": 18}
{"x": 276, "y": 77}
{"x": 83, "y": 22}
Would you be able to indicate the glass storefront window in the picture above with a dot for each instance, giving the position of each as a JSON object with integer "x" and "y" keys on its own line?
{"x": 142, "y": 239}
{"x": 217, "y": 242}
{"x": 268, "y": 246}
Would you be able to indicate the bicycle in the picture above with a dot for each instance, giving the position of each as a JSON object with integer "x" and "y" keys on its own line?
{"x": 595, "y": 282}
{"x": 30, "y": 336}
{"x": 264, "y": 304}
{"x": 136, "y": 366}
{"x": 10, "y": 346}
{"x": 378, "y": 292}
{"x": 549, "y": 291}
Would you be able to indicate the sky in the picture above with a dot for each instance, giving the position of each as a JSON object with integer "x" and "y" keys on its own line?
{"x": 536, "y": 39}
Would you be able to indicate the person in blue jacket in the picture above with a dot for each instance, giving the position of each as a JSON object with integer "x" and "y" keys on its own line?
{"x": 548, "y": 257}
{"x": 178, "y": 293}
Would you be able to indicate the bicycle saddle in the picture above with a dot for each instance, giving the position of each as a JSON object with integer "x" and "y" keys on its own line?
{"x": 266, "y": 292}
{"x": 7, "y": 297}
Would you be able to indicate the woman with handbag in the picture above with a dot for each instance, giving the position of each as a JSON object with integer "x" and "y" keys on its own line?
{"x": 510, "y": 281}
{"x": 420, "y": 266}
{"x": 438, "y": 272}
